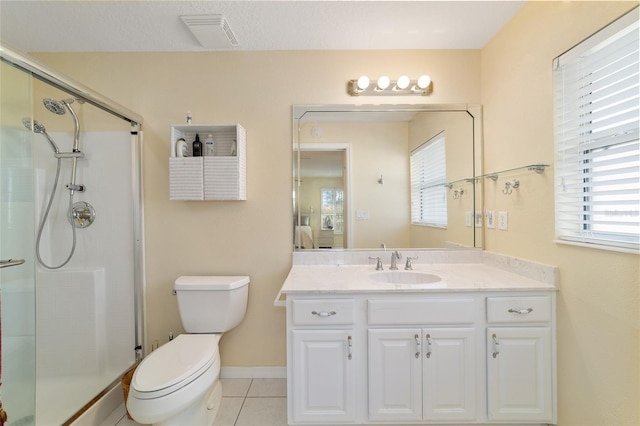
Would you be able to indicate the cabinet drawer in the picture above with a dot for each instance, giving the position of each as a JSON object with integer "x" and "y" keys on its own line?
{"x": 518, "y": 309}
{"x": 322, "y": 312}
{"x": 425, "y": 311}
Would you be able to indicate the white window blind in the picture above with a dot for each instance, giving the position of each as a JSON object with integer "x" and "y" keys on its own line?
{"x": 597, "y": 146}
{"x": 428, "y": 176}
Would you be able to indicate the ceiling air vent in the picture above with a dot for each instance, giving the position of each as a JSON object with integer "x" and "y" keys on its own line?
{"x": 212, "y": 31}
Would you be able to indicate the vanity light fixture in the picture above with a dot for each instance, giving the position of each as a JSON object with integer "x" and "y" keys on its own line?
{"x": 384, "y": 86}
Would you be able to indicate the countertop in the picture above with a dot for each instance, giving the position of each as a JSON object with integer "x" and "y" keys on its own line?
{"x": 341, "y": 279}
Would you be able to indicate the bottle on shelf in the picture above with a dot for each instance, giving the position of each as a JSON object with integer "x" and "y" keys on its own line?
{"x": 209, "y": 146}
{"x": 197, "y": 147}
{"x": 181, "y": 148}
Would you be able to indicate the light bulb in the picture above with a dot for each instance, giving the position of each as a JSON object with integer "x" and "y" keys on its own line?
{"x": 383, "y": 82}
{"x": 363, "y": 82}
{"x": 424, "y": 81}
{"x": 403, "y": 82}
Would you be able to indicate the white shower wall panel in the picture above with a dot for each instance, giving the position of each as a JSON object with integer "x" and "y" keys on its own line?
{"x": 70, "y": 325}
{"x": 106, "y": 245}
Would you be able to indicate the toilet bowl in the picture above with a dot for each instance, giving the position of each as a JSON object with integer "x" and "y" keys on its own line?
{"x": 179, "y": 383}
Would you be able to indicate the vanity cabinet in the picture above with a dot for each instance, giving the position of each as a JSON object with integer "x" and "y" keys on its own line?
{"x": 321, "y": 352}
{"x": 421, "y": 358}
{"x": 222, "y": 176}
{"x": 422, "y": 374}
{"x": 520, "y": 359}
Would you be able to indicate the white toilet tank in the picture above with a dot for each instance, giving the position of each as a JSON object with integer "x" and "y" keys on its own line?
{"x": 211, "y": 304}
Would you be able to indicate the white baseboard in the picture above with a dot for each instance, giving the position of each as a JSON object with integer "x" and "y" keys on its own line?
{"x": 253, "y": 372}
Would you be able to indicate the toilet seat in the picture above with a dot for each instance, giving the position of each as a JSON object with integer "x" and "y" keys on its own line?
{"x": 175, "y": 365}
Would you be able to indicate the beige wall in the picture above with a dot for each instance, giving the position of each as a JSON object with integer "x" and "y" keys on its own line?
{"x": 598, "y": 309}
{"x": 256, "y": 89}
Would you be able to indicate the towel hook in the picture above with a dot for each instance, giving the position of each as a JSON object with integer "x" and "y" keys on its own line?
{"x": 510, "y": 185}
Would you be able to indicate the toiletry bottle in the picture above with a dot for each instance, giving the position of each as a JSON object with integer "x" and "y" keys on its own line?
{"x": 197, "y": 147}
{"x": 181, "y": 148}
{"x": 209, "y": 145}
{"x": 234, "y": 148}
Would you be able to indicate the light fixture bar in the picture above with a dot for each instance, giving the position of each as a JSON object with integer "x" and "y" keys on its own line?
{"x": 403, "y": 86}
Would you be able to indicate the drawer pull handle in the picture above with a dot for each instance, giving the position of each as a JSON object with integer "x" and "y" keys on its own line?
{"x": 521, "y": 311}
{"x": 350, "y": 345}
{"x": 323, "y": 314}
{"x": 428, "y": 354}
{"x": 496, "y": 346}
{"x": 417, "y": 337}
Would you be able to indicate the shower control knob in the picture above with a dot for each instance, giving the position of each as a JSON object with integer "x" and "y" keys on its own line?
{"x": 82, "y": 214}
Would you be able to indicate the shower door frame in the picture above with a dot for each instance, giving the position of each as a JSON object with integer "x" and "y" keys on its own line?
{"x": 76, "y": 89}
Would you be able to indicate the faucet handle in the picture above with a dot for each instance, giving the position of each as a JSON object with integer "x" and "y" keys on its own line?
{"x": 408, "y": 266}
{"x": 378, "y": 264}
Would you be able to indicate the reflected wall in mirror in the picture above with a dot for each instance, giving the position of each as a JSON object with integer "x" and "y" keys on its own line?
{"x": 352, "y": 178}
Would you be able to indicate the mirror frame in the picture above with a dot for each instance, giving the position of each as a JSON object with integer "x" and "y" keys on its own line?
{"x": 475, "y": 112}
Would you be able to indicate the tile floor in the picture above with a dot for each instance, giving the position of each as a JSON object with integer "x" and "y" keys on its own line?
{"x": 247, "y": 402}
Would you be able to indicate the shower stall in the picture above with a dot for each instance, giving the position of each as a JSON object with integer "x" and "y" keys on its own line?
{"x": 71, "y": 243}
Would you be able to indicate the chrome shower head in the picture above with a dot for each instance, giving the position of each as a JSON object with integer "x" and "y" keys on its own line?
{"x": 37, "y": 127}
{"x": 55, "y": 106}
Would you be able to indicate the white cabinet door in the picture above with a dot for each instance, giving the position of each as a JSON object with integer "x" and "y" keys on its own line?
{"x": 449, "y": 374}
{"x": 323, "y": 376}
{"x": 395, "y": 379}
{"x": 520, "y": 382}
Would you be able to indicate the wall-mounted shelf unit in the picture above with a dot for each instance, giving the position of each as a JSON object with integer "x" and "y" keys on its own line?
{"x": 538, "y": 168}
{"x": 222, "y": 176}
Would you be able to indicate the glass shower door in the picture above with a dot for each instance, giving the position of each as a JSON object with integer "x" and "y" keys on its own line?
{"x": 17, "y": 280}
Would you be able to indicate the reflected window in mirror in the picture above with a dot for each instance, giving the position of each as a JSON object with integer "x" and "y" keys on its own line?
{"x": 332, "y": 205}
{"x": 428, "y": 178}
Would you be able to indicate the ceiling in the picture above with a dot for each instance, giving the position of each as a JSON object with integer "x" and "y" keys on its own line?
{"x": 155, "y": 26}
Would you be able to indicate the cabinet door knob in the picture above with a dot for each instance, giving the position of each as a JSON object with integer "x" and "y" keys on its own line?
{"x": 323, "y": 314}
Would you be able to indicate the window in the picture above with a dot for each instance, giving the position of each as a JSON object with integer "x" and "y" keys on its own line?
{"x": 428, "y": 176}
{"x": 597, "y": 146}
{"x": 332, "y": 211}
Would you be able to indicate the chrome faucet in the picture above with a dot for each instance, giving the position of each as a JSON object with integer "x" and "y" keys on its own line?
{"x": 394, "y": 259}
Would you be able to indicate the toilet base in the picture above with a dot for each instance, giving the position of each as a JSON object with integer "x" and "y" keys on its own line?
{"x": 202, "y": 413}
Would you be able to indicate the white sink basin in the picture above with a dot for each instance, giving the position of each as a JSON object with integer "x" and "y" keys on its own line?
{"x": 404, "y": 277}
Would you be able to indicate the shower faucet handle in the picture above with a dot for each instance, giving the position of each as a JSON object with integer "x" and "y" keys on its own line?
{"x": 378, "y": 264}
{"x": 408, "y": 266}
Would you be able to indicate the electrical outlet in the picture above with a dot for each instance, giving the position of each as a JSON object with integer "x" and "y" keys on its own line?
{"x": 503, "y": 221}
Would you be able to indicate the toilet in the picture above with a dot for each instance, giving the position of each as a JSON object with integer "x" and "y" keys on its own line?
{"x": 179, "y": 383}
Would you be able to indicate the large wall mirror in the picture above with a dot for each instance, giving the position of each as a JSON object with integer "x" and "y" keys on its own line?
{"x": 353, "y": 178}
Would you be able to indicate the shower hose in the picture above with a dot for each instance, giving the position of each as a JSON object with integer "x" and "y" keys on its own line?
{"x": 44, "y": 220}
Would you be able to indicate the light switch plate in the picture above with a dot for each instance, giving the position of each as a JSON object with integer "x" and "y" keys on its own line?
{"x": 490, "y": 217}
{"x": 468, "y": 218}
{"x": 478, "y": 219}
{"x": 362, "y": 215}
{"x": 503, "y": 221}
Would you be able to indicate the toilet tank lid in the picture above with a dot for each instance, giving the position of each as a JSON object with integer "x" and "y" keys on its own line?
{"x": 221, "y": 282}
